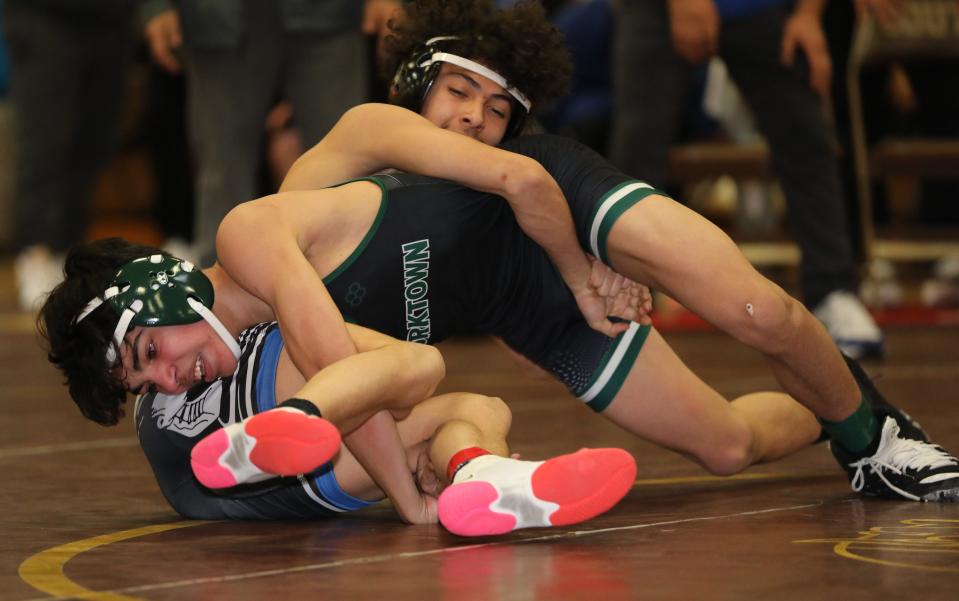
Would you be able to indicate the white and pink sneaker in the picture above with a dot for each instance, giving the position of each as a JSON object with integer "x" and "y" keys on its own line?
{"x": 494, "y": 495}
{"x": 278, "y": 442}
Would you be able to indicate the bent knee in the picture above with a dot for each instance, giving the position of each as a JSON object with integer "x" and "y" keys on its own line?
{"x": 769, "y": 320}
{"x": 732, "y": 454}
{"x": 489, "y": 412}
{"x": 422, "y": 372}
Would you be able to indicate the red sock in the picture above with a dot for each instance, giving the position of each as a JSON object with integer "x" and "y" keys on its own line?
{"x": 461, "y": 458}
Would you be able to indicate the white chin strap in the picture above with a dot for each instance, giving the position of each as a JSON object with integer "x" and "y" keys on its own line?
{"x": 465, "y": 63}
{"x": 122, "y": 324}
{"x": 217, "y": 326}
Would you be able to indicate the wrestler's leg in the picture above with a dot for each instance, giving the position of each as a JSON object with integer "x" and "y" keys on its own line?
{"x": 433, "y": 432}
{"x": 464, "y": 436}
{"x": 663, "y": 401}
{"x": 660, "y": 242}
{"x": 303, "y": 432}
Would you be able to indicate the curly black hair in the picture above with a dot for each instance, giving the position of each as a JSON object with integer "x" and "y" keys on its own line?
{"x": 79, "y": 349}
{"x": 519, "y": 43}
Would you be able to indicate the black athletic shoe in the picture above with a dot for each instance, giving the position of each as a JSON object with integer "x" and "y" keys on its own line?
{"x": 909, "y": 427}
{"x": 902, "y": 468}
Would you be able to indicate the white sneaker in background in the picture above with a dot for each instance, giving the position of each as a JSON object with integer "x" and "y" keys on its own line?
{"x": 880, "y": 289}
{"x": 942, "y": 290}
{"x": 850, "y": 325}
{"x": 939, "y": 293}
{"x": 37, "y": 272}
{"x": 947, "y": 268}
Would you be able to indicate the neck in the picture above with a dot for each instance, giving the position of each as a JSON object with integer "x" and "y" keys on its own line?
{"x": 233, "y": 305}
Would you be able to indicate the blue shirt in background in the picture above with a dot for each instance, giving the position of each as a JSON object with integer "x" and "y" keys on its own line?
{"x": 735, "y": 9}
{"x": 4, "y": 65}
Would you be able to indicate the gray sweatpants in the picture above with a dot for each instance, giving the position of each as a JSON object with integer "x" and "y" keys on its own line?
{"x": 231, "y": 91}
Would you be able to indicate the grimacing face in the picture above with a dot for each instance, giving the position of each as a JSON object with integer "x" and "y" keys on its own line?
{"x": 171, "y": 359}
{"x": 468, "y": 103}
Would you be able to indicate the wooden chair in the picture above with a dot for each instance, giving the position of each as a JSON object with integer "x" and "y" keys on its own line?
{"x": 926, "y": 29}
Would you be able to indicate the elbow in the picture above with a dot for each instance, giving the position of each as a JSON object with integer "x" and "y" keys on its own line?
{"x": 424, "y": 368}
{"x": 523, "y": 177}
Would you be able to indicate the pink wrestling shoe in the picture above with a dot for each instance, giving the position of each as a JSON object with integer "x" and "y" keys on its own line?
{"x": 495, "y": 495}
{"x": 278, "y": 442}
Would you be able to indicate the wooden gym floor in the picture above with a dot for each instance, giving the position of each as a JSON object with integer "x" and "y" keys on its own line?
{"x": 80, "y": 515}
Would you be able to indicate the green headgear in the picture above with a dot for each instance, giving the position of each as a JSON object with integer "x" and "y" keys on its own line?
{"x": 159, "y": 290}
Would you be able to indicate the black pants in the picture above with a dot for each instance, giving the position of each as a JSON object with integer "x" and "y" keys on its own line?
{"x": 650, "y": 84}
{"x": 67, "y": 74}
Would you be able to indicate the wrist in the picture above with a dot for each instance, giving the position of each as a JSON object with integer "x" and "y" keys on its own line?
{"x": 575, "y": 271}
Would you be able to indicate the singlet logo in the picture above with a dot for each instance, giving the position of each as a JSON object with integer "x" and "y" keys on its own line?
{"x": 355, "y": 293}
{"x": 416, "y": 269}
{"x": 188, "y": 417}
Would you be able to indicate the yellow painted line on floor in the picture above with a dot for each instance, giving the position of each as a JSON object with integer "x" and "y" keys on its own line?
{"x": 44, "y": 571}
{"x": 118, "y": 595}
{"x": 845, "y": 549}
{"x": 924, "y": 539}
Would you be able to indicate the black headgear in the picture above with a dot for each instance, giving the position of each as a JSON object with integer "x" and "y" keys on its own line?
{"x": 415, "y": 77}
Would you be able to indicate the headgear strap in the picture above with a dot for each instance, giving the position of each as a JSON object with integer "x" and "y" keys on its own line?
{"x": 166, "y": 277}
{"x": 475, "y": 67}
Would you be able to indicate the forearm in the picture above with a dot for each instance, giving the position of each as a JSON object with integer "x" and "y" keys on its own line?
{"x": 543, "y": 214}
{"x": 396, "y": 376}
{"x": 373, "y": 137}
{"x": 534, "y": 196}
{"x": 378, "y": 448}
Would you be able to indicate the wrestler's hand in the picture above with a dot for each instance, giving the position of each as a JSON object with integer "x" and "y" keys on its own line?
{"x": 426, "y": 479}
{"x": 625, "y": 298}
{"x": 425, "y": 511}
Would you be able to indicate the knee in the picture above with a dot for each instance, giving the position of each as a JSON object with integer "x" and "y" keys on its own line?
{"x": 420, "y": 369}
{"x": 769, "y": 320}
{"x": 732, "y": 454}
{"x": 490, "y": 413}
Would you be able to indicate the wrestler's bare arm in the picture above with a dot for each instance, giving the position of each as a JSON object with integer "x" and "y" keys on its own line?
{"x": 372, "y": 137}
{"x": 386, "y": 374}
{"x": 258, "y": 244}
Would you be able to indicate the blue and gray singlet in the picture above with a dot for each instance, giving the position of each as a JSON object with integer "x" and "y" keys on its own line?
{"x": 170, "y": 425}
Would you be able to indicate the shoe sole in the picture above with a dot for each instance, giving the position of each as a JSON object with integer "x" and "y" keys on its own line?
{"x": 583, "y": 485}
{"x": 273, "y": 443}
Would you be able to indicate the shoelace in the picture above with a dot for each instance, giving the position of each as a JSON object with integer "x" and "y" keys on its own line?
{"x": 901, "y": 454}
